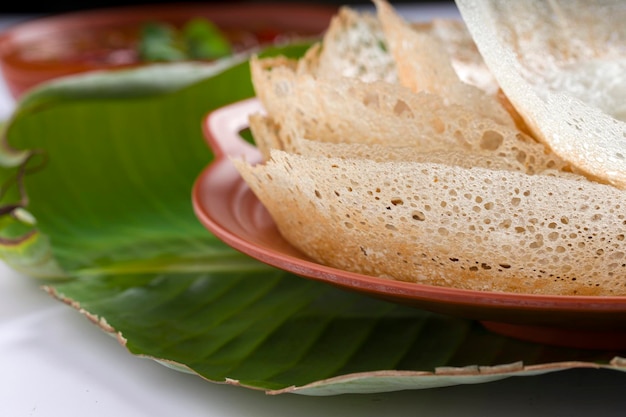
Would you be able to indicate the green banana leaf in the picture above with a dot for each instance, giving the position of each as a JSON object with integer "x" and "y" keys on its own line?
{"x": 97, "y": 173}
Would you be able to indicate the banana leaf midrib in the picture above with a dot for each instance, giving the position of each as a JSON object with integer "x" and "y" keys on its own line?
{"x": 227, "y": 260}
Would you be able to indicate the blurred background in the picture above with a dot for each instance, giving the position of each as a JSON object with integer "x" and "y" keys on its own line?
{"x": 37, "y": 6}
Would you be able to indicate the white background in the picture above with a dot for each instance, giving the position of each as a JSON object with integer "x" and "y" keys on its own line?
{"x": 54, "y": 362}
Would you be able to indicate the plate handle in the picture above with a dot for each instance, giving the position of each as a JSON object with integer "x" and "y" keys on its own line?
{"x": 222, "y": 129}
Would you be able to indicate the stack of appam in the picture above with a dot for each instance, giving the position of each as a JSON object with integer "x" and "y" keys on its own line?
{"x": 485, "y": 154}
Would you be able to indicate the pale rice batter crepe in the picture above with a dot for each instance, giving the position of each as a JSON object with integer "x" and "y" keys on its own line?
{"x": 563, "y": 66}
{"x": 393, "y": 171}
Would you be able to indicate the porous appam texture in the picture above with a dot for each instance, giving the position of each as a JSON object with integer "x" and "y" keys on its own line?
{"x": 368, "y": 175}
{"x": 348, "y": 110}
{"x": 435, "y": 224}
{"x": 562, "y": 64}
{"x": 424, "y": 64}
{"x": 351, "y": 39}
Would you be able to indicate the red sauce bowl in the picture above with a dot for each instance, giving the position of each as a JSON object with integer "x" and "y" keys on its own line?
{"x": 45, "y": 48}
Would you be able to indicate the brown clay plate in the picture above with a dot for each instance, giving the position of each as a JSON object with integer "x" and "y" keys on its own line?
{"x": 230, "y": 210}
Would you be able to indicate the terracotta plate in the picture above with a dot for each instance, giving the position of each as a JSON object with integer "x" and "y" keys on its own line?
{"x": 229, "y": 209}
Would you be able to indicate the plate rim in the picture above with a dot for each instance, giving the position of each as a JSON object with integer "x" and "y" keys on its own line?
{"x": 575, "y": 304}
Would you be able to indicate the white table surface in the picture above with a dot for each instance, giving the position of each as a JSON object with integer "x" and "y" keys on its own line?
{"x": 54, "y": 362}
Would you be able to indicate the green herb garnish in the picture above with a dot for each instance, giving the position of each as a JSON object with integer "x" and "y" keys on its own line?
{"x": 198, "y": 39}
{"x": 205, "y": 41}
